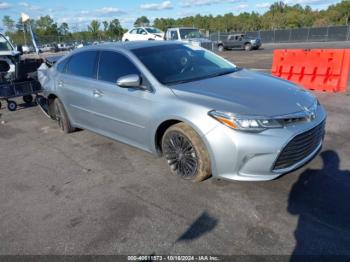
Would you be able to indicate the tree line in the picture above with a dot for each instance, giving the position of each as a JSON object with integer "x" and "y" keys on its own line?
{"x": 279, "y": 16}
{"x": 48, "y": 31}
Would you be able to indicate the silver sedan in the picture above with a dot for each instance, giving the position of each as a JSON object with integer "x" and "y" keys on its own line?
{"x": 203, "y": 114}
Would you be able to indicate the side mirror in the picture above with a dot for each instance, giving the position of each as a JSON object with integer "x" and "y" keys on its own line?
{"x": 129, "y": 81}
{"x": 20, "y": 49}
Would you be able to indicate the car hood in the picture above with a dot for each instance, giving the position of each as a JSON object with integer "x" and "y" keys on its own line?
{"x": 247, "y": 93}
{"x": 200, "y": 40}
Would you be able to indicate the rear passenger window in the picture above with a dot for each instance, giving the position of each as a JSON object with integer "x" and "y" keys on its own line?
{"x": 61, "y": 67}
{"x": 114, "y": 65}
{"x": 83, "y": 64}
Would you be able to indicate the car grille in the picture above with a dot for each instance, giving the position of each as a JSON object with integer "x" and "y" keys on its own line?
{"x": 300, "y": 147}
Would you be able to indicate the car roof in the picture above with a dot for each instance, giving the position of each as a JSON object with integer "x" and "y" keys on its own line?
{"x": 142, "y": 27}
{"x": 183, "y": 27}
{"x": 130, "y": 45}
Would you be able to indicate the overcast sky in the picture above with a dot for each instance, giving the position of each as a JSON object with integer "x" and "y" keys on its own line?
{"x": 80, "y": 12}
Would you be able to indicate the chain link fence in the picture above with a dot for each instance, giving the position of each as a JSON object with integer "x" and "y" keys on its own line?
{"x": 312, "y": 34}
{"x": 71, "y": 39}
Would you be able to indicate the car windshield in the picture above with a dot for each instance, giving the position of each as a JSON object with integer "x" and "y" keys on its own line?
{"x": 153, "y": 30}
{"x": 189, "y": 33}
{"x": 178, "y": 63}
{"x": 4, "y": 44}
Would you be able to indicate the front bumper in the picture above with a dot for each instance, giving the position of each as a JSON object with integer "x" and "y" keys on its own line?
{"x": 256, "y": 44}
{"x": 251, "y": 156}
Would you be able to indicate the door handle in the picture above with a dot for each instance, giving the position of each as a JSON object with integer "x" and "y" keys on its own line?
{"x": 97, "y": 93}
{"x": 60, "y": 83}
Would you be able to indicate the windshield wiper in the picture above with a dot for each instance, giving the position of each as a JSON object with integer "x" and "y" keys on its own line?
{"x": 223, "y": 73}
{"x": 226, "y": 72}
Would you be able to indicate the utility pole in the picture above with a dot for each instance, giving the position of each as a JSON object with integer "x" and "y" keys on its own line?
{"x": 24, "y": 34}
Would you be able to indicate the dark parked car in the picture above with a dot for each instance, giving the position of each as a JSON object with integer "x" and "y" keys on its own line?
{"x": 240, "y": 41}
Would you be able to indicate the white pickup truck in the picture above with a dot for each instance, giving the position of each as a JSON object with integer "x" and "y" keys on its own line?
{"x": 189, "y": 35}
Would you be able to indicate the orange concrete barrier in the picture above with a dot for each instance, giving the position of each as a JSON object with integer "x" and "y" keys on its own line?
{"x": 316, "y": 69}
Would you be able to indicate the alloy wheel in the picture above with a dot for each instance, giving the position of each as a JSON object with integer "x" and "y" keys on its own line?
{"x": 181, "y": 155}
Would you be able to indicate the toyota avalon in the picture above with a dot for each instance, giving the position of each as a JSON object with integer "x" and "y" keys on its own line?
{"x": 203, "y": 114}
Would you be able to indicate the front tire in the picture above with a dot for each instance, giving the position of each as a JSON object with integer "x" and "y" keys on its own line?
{"x": 61, "y": 117}
{"x": 186, "y": 153}
{"x": 11, "y": 106}
{"x": 248, "y": 47}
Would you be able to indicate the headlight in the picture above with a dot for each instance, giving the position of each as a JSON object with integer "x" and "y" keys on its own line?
{"x": 245, "y": 123}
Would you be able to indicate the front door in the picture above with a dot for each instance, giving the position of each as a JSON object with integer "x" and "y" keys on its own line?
{"x": 121, "y": 113}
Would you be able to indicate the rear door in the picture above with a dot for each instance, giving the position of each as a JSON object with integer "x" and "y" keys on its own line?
{"x": 230, "y": 43}
{"x": 121, "y": 113}
{"x": 75, "y": 86}
{"x": 240, "y": 42}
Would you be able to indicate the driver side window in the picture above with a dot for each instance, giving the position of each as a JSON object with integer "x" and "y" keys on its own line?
{"x": 173, "y": 35}
{"x": 140, "y": 31}
{"x": 113, "y": 65}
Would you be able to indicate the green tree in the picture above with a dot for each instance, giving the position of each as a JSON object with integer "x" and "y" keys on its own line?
{"x": 44, "y": 22}
{"x": 8, "y": 23}
{"x": 45, "y": 28}
{"x": 142, "y": 21}
{"x": 115, "y": 29}
{"x": 339, "y": 14}
{"x": 64, "y": 29}
{"x": 94, "y": 28}
{"x": 105, "y": 25}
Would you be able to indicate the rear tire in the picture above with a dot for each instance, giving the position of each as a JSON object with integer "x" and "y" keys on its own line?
{"x": 61, "y": 117}
{"x": 221, "y": 48}
{"x": 186, "y": 153}
{"x": 28, "y": 99}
